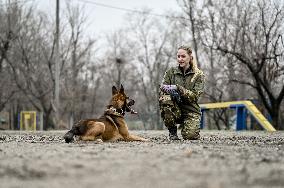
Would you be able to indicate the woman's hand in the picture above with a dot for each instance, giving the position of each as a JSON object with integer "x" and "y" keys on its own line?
{"x": 172, "y": 90}
{"x": 181, "y": 90}
{"x": 168, "y": 88}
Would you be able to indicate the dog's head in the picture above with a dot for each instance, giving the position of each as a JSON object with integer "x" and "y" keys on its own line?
{"x": 120, "y": 101}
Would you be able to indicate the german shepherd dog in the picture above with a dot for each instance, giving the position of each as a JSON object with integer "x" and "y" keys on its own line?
{"x": 111, "y": 126}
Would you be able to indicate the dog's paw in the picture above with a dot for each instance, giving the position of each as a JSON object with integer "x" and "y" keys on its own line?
{"x": 145, "y": 140}
{"x": 98, "y": 141}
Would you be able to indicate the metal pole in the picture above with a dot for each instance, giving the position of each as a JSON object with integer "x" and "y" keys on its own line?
{"x": 9, "y": 14}
{"x": 57, "y": 61}
{"x": 119, "y": 62}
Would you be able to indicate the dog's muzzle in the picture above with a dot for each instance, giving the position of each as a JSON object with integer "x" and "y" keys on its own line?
{"x": 129, "y": 103}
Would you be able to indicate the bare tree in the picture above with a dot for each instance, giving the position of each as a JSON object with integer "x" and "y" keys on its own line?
{"x": 189, "y": 7}
{"x": 118, "y": 69}
{"x": 154, "y": 50}
{"x": 9, "y": 27}
{"x": 32, "y": 64}
{"x": 250, "y": 35}
{"x": 31, "y": 69}
{"x": 260, "y": 49}
{"x": 75, "y": 72}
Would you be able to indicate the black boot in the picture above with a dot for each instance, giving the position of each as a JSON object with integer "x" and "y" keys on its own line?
{"x": 173, "y": 133}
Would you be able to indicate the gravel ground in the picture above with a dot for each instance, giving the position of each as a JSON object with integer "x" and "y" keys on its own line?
{"x": 219, "y": 159}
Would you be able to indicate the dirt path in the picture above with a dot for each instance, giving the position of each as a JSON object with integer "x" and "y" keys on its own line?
{"x": 219, "y": 160}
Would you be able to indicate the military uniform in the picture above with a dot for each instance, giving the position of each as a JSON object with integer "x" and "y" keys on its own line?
{"x": 186, "y": 113}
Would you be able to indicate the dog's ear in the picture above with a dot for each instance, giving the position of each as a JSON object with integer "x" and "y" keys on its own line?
{"x": 114, "y": 90}
{"x": 121, "y": 89}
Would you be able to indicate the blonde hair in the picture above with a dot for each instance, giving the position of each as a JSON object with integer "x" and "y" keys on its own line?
{"x": 194, "y": 63}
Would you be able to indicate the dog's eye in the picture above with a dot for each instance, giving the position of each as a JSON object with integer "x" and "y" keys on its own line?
{"x": 127, "y": 97}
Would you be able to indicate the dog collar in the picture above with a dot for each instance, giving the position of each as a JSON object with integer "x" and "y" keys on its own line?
{"x": 117, "y": 111}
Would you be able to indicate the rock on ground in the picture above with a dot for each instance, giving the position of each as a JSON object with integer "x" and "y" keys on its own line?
{"x": 220, "y": 159}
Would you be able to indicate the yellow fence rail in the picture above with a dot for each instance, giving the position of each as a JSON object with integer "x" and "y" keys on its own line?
{"x": 250, "y": 107}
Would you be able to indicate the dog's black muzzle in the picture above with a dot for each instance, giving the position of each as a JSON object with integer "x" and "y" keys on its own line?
{"x": 129, "y": 102}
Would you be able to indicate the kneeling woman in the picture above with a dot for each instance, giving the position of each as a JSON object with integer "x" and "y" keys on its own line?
{"x": 180, "y": 91}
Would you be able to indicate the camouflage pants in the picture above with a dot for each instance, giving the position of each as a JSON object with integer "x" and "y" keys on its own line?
{"x": 189, "y": 122}
{"x": 190, "y": 126}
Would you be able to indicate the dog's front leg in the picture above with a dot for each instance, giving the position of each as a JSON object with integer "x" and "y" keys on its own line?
{"x": 123, "y": 130}
{"x": 133, "y": 137}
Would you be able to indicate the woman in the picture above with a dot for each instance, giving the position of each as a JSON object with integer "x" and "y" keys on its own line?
{"x": 180, "y": 91}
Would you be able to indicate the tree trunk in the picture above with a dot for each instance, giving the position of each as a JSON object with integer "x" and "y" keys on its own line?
{"x": 274, "y": 114}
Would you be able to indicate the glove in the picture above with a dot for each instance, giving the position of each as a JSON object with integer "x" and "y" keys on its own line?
{"x": 172, "y": 91}
{"x": 168, "y": 88}
{"x": 175, "y": 96}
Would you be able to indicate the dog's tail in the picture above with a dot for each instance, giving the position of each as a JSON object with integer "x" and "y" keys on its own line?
{"x": 69, "y": 136}
{"x": 77, "y": 129}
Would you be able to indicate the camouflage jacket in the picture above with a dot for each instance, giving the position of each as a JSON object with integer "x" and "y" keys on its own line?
{"x": 190, "y": 85}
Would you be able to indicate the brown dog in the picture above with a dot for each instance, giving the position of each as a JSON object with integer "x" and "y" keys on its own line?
{"x": 111, "y": 126}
